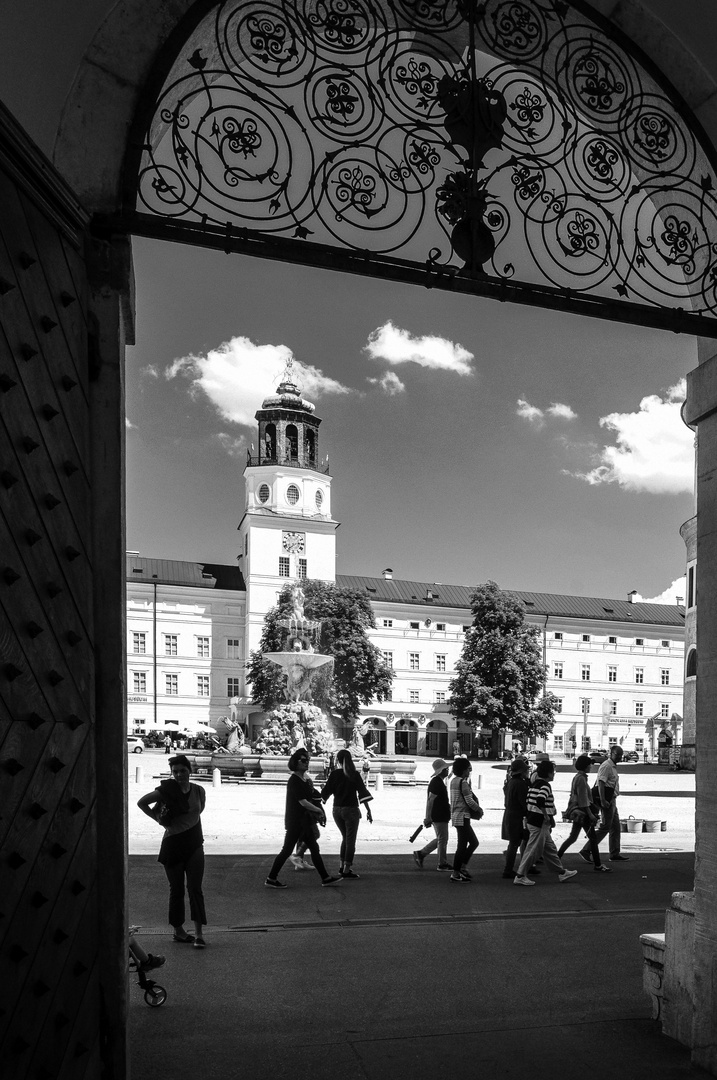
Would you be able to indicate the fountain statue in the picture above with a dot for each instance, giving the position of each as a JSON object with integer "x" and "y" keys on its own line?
{"x": 300, "y": 659}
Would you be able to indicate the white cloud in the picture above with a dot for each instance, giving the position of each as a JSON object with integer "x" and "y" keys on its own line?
{"x": 235, "y": 447}
{"x": 562, "y": 412}
{"x": 531, "y": 413}
{"x": 238, "y": 375}
{"x": 654, "y": 451}
{"x": 396, "y": 346}
{"x": 537, "y": 417}
{"x": 128, "y": 423}
{"x": 390, "y": 383}
{"x": 669, "y": 595}
{"x": 151, "y": 371}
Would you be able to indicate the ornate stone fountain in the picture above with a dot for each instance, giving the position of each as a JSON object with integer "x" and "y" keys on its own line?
{"x": 298, "y": 660}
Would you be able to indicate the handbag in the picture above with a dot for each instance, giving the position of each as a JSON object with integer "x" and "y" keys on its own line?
{"x": 475, "y": 813}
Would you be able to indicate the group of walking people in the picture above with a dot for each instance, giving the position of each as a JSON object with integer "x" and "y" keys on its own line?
{"x": 528, "y": 820}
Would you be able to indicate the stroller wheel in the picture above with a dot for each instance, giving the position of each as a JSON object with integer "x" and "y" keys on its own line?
{"x": 155, "y": 995}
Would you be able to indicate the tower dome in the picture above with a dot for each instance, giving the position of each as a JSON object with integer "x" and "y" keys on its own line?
{"x": 288, "y": 428}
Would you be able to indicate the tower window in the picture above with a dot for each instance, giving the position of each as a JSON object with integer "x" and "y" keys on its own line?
{"x": 283, "y": 566}
{"x": 292, "y": 494}
{"x": 319, "y": 499}
{"x": 263, "y": 493}
{"x": 302, "y": 568}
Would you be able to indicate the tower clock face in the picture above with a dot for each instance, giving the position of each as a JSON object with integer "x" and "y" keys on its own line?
{"x": 293, "y": 542}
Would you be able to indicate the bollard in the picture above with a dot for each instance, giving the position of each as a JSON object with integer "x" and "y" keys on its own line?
{"x": 216, "y": 778}
{"x": 138, "y": 774}
{"x": 477, "y": 781}
{"x": 379, "y": 782}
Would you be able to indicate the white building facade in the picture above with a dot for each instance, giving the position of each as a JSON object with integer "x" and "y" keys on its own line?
{"x": 616, "y": 666}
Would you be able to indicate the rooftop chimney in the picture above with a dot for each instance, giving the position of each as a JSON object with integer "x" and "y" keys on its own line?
{"x": 632, "y": 597}
{"x": 387, "y": 573}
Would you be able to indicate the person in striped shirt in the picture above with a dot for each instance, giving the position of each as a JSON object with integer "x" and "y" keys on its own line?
{"x": 540, "y": 819}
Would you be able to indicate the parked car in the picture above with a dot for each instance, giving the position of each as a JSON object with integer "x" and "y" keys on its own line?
{"x": 135, "y": 745}
{"x": 598, "y": 756}
{"x": 630, "y": 755}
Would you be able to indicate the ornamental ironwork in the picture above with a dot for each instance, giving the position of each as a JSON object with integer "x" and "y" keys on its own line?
{"x": 494, "y": 147}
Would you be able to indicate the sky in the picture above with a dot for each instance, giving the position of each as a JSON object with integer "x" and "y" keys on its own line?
{"x": 468, "y": 440}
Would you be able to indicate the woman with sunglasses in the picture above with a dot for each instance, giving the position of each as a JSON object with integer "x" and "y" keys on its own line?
{"x": 303, "y": 808}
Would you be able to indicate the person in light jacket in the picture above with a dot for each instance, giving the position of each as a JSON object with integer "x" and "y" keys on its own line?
{"x": 464, "y": 806}
{"x": 582, "y": 814}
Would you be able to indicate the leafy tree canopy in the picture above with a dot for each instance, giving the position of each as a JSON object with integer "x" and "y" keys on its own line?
{"x": 500, "y": 677}
{"x": 359, "y": 676}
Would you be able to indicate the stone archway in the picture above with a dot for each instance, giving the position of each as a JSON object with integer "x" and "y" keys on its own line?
{"x": 90, "y": 152}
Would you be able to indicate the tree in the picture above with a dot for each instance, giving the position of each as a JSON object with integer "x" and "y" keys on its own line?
{"x": 359, "y": 673}
{"x": 500, "y": 677}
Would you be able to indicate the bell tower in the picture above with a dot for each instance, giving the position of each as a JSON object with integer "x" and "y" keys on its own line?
{"x": 287, "y": 531}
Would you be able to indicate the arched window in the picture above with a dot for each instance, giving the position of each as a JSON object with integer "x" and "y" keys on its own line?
{"x": 691, "y": 666}
{"x": 292, "y": 442}
{"x": 270, "y": 442}
{"x": 310, "y": 446}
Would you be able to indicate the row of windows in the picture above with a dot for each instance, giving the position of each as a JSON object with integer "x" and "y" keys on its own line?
{"x": 388, "y": 624}
{"x": 414, "y": 697}
{"x": 171, "y": 684}
{"x": 585, "y": 743}
{"x": 586, "y": 673}
{"x": 171, "y": 645}
{"x": 414, "y": 660}
{"x": 285, "y": 567}
{"x": 612, "y": 640}
{"x": 638, "y": 707}
{"x": 292, "y": 494}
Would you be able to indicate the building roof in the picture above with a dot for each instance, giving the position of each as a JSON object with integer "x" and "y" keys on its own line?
{"x": 413, "y": 593}
{"x": 191, "y": 574}
{"x": 422, "y": 593}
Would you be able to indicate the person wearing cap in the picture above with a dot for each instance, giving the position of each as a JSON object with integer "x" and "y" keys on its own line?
{"x": 438, "y": 814}
{"x": 515, "y": 799}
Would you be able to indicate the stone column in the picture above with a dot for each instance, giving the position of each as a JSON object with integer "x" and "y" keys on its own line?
{"x": 700, "y": 409}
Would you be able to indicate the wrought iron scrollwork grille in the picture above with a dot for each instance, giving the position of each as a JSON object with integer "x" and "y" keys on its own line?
{"x": 510, "y": 148}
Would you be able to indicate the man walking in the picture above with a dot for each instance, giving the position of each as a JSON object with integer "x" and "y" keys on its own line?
{"x": 608, "y": 783}
{"x": 438, "y": 814}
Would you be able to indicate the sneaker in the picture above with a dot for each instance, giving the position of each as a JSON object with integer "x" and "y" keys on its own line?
{"x": 152, "y": 962}
{"x": 465, "y": 875}
{"x": 333, "y": 880}
{"x": 418, "y": 859}
{"x": 274, "y": 883}
{"x": 200, "y": 943}
{"x": 602, "y": 869}
{"x": 457, "y": 877}
{"x": 297, "y": 862}
{"x": 619, "y": 858}
{"x": 522, "y": 880}
{"x": 348, "y": 873}
{"x": 444, "y": 866}
{"x": 585, "y": 858}
{"x": 567, "y": 874}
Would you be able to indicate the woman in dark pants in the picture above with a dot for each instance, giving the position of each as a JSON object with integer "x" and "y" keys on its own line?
{"x": 513, "y": 829}
{"x": 177, "y": 805}
{"x": 581, "y": 813}
{"x": 464, "y": 805}
{"x": 348, "y": 789}
{"x": 303, "y": 807}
